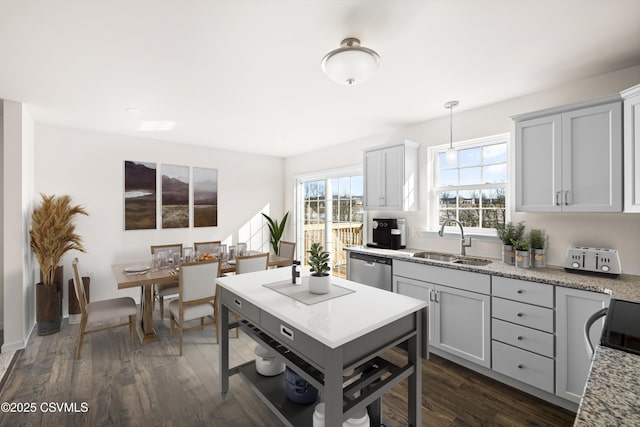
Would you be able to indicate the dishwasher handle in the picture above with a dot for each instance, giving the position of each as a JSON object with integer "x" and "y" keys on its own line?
{"x": 370, "y": 259}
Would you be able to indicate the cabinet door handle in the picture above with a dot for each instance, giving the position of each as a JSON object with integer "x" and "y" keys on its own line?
{"x": 558, "y": 198}
{"x": 519, "y": 337}
{"x": 566, "y": 198}
{"x": 436, "y": 293}
{"x": 520, "y": 366}
{"x": 519, "y": 314}
{"x": 431, "y": 295}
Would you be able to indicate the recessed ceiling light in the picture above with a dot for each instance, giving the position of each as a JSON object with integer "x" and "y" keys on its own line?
{"x": 156, "y": 125}
{"x": 134, "y": 110}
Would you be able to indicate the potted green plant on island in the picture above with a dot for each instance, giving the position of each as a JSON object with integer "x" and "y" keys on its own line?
{"x": 320, "y": 280}
{"x": 523, "y": 255}
{"x": 509, "y": 233}
{"x": 52, "y": 235}
{"x": 538, "y": 239}
{"x": 276, "y": 230}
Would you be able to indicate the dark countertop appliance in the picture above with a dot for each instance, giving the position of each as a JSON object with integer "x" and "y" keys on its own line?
{"x": 389, "y": 233}
{"x": 621, "y": 326}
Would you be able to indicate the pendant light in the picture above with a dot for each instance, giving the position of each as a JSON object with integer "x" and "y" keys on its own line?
{"x": 351, "y": 63}
{"x": 451, "y": 156}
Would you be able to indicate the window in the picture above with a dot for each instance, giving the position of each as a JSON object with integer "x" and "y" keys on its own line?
{"x": 473, "y": 188}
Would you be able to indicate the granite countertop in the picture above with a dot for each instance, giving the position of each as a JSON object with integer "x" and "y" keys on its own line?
{"x": 626, "y": 287}
{"x": 612, "y": 392}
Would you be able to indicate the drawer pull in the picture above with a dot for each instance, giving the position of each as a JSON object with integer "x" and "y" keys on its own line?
{"x": 237, "y": 302}
{"x": 519, "y": 337}
{"x": 519, "y": 291}
{"x": 520, "y": 366}
{"x": 286, "y": 332}
{"x": 519, "y": 314}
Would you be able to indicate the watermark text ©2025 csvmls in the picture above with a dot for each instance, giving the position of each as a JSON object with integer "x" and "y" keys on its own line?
{"x": 52, "y": 407}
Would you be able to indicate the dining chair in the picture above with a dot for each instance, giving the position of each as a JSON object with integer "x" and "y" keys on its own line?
{"x": 99, "y": 311}
{"x": 196, "y": 296}
{"x": 287, "y": 250}
{"x": 166, "y": 289}
{"x": 211, "y": 247}
{"x": 250, "y": 263}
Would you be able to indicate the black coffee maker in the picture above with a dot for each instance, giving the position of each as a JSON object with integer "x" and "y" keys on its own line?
{"x": 387, "y": 234}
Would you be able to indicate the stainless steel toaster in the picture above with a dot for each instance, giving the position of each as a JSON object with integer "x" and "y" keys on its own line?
{"x": 593, "y": 260}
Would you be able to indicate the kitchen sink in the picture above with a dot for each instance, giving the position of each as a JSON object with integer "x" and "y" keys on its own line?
{"x": 452, "y": 259}
{"x": 433, "y": 256}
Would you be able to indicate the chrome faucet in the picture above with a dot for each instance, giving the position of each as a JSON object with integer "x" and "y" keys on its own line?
{"x": 464, "y": 243}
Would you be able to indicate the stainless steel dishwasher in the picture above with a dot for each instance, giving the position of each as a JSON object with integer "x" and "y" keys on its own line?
{"x": 370, "y": 270}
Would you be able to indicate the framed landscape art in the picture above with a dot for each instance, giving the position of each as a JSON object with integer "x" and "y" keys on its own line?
{"x": 139, "y": 195}
{"x": 175, "y": 196}
{"x": 205, "y": 197}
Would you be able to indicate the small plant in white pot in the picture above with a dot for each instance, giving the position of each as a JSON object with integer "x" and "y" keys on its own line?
{"x": 538, "y": 239}
{"x": 320, "y": 280}
{"x": 509, "y": 233}
{"x": 523, "y": 256}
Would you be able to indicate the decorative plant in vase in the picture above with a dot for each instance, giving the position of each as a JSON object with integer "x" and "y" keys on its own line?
{"x": 52, "y": 235}
{"x": 320, "y": 280}
{"x": 523, "y": 256}
{"x": 276, "y": 230}
{"x": 538, "y": 239}
{"x": 509, "y": 233}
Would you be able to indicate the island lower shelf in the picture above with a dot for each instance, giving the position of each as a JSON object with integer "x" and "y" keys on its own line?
{"x": 374, "y": 376}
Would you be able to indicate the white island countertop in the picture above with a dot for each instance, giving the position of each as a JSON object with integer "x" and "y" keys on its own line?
{"x": 334, "y": 322}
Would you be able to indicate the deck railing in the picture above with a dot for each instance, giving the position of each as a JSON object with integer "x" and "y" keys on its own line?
{"x": 342, "y": 235}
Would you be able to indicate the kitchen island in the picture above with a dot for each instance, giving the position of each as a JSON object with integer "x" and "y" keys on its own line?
{"x": 321, "y": 338}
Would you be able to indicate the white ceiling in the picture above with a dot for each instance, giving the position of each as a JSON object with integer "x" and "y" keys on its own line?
{"x": 245, "y": 75}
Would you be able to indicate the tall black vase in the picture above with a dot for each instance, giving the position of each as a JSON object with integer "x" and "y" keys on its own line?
{"x": 49, "y": 305}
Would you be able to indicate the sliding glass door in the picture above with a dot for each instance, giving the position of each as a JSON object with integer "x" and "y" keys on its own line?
{"x": 330, "y": 211}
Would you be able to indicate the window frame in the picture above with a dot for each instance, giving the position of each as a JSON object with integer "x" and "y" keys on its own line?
{"x": 433, "y": 204}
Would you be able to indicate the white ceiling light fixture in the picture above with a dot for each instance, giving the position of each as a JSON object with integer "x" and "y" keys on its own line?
{"x": 351, "y": 63}
{"x": 451, "y": 156}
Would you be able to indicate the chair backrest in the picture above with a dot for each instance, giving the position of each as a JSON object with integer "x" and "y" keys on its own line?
{"x": 175, "y": 247}
{"x": 212, "y": 247}
{"x": 249, "y": 263}
{"x": 79, "y": 286}
{"x": 198, "y": 280}
{"x": 287, "y": 250}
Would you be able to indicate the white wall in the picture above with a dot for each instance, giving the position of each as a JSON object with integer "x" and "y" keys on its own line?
{"x": 89, "y": 166}
{"x": 621, "y": 231}
{"x": 18, "y": 181}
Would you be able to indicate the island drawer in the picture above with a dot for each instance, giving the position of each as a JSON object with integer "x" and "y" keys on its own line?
{"x": 523, "y": 314}
{"x": 239, "y": 305}
{"x": 522, "y": 337}
{"x": 293, "y": 338}
{"x": 523, "y": 291}
{"x": 523, "y": 366}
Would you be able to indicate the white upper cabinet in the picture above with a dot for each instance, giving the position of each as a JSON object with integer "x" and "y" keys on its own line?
{"x": 570, "y": 159}
{"x": 632, "y": 149}
{"x": 391, "y": 177}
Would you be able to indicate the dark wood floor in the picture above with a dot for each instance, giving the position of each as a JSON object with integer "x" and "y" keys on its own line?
{"x": 125, "y": 385}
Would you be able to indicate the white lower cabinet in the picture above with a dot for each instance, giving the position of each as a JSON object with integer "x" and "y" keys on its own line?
{"x": 459, "y": 317}
{"x": 573, "y": 308}
{"x": 522, "y": 331}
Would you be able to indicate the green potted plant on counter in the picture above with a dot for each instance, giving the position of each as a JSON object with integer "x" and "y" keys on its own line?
{"x": 523, "y": 256}
{"x": 320, "y": 280}
{"x": 538, "y": 239}
{"x": 52, "y": 235}
{"x": 509, "y": 233}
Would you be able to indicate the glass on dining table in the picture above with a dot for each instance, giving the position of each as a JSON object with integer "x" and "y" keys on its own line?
{"x": 241, "y": 249}
{"x": 232, "y": 252}
{"x": 188, "y": 254}
{"x": 155, "y": 262}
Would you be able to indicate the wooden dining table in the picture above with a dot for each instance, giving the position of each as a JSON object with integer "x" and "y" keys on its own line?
{"x": 146, "y": 279}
